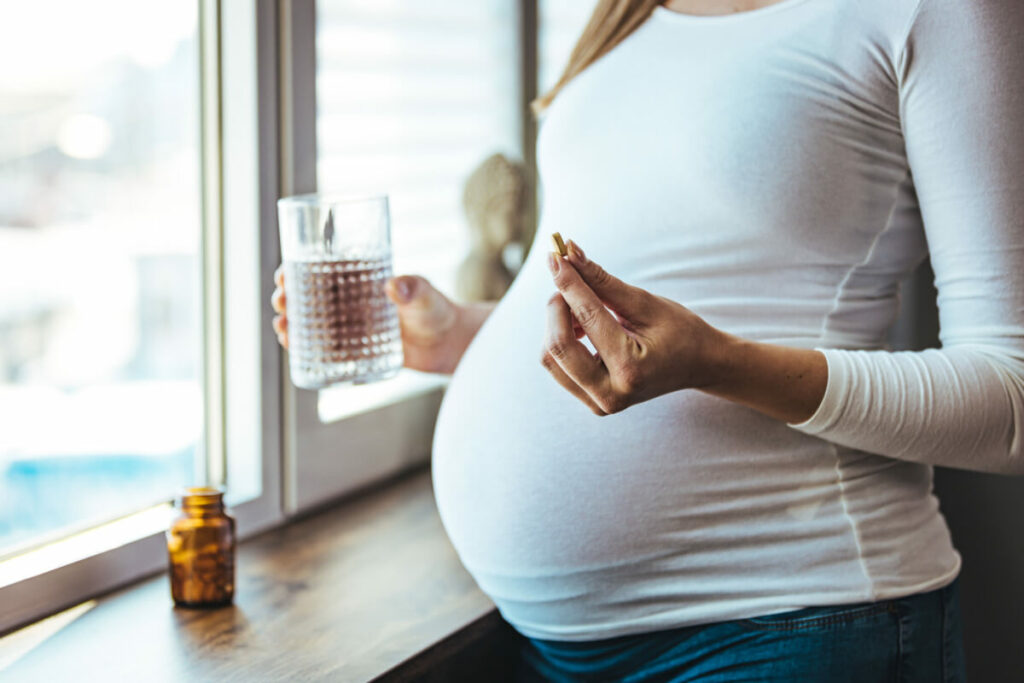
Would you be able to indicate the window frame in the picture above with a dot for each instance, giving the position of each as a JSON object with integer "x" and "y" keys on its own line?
{"x": 239, "y": 83}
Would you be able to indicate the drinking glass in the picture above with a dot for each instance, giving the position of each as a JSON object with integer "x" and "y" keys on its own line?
{"x": 337, "y": 258}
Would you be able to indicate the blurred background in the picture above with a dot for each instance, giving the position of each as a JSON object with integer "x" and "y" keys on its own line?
{"x": 105, "y": 210}
{"x": 100, "y": 399}
{"x": 101, "y": 214}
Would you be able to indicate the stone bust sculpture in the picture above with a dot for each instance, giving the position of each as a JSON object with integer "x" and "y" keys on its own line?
{"x": 498, "y": 203}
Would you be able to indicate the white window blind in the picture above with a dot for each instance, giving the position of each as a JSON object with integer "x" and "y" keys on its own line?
{"x": 561, "y": 22}
{"x": 411, "y": 96}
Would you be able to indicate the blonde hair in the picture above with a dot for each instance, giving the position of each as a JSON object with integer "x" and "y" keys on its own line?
{"x": 609, "y": 25}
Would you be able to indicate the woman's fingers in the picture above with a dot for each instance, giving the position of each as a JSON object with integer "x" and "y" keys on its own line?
{"x": 586, "y": 375}
{"x": 280, "y": 325}
{"x": 552, "y": 366}
{"x": 604, "y": 331}
{"x": 277, "y": 300}
{"x": 629, "y": 303}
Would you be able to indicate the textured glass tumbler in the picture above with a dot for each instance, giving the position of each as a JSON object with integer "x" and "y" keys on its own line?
{"x": 337, "y": 258}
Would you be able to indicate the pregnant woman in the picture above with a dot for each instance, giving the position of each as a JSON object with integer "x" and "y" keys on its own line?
{"x": 685, "y": 455}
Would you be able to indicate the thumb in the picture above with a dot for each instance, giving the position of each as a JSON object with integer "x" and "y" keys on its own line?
{"x": 629, "y": 302}
{"x": 415, "y": 292}
{"x": 402, "y": 289}
{"x": 422, "y": 309}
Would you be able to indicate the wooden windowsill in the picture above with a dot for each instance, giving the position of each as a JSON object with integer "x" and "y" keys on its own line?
{"x": 368, "y": 589}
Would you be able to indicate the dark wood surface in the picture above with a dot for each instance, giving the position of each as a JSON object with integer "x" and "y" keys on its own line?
{"x": 486, "y": 650}
{"x": 368, "y": 587}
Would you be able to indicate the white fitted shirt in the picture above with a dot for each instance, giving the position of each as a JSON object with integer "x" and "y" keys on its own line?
{"x": 778, "y": 172}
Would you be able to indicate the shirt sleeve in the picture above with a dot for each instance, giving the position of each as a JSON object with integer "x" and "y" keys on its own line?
{"x": 960, "y": 74}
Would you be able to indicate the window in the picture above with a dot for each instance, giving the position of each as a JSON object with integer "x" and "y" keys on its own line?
{"x": 561, "y": 23}
{"x": 410, "y": 98}
{"x": 100, "y": 310}
{"x": 123, "y": 373}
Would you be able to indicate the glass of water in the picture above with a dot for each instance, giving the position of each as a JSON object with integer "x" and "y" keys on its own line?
{"x": 337, "y": 258}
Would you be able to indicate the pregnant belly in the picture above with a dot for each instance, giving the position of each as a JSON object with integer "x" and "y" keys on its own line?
{"x": 529, "y": 481}
{"x": 683, "y": 509}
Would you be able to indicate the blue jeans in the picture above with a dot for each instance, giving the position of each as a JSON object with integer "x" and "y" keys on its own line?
{"x": 916, "y": 639}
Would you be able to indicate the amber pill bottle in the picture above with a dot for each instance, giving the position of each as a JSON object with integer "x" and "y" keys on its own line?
{"x": 201, "y": 550}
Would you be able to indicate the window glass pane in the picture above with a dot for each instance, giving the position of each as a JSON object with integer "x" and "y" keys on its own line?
{"x": 411, "y": 96}
{"x": 100, "y": 394}
{"x": 561, "y": 22}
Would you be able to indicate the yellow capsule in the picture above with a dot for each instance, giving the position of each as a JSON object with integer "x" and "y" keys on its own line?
{"x": 559, "y": 244}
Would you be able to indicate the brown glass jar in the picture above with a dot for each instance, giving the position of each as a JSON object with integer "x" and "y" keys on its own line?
{"x": 201, "y": 550}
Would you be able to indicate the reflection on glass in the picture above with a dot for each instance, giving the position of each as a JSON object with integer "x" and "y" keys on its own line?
{"x": 100, "y": 399}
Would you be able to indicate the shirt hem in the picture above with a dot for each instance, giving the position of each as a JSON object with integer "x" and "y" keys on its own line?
{"x": 581, "y": 633}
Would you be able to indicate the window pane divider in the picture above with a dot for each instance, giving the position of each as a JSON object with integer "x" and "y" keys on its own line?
{"x": 211, "y": 468}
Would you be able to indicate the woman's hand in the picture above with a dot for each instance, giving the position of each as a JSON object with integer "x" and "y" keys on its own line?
{"x": 435, "y": 330}
{"x": 277, "y": 302}
{"x": 651, "y": 346}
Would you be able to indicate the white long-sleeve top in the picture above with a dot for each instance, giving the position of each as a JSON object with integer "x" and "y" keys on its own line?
{"x": 778, "y": 172}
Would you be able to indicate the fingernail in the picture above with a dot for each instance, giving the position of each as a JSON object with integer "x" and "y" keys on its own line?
{"x": 404, "y": 290}
{"x": 576, "y": 254}
{"x": 553, "y": 262}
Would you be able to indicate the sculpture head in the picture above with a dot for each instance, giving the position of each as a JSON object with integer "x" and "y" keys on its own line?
{"x": 498, "y": 203}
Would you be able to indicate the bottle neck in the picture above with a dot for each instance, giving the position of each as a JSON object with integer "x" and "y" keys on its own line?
{"x": 202, "y": 502}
